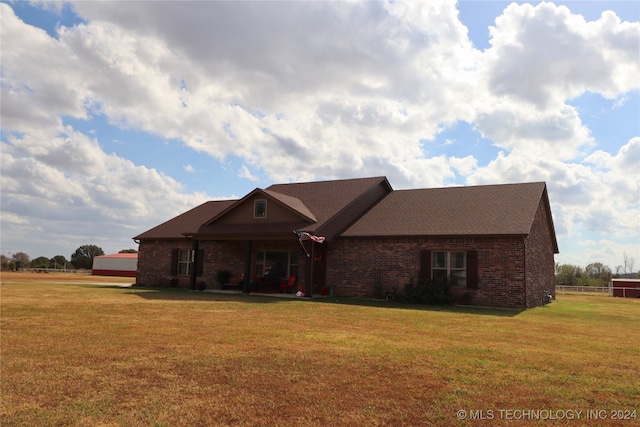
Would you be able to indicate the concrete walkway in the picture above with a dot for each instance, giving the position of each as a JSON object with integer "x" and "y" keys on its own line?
{"x": 265, "y": 294}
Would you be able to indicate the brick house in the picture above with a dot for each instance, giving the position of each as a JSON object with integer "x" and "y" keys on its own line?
{"x": 497, "y": 242}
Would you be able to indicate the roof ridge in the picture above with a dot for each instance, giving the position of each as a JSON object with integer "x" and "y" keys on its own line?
{"x": 327, "y": 181}
{"x": 455, "y": 187}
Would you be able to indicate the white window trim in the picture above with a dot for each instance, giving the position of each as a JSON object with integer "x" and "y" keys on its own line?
{"x": 188, "y": 263}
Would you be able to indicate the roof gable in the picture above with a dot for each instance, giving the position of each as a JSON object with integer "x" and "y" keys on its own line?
{"x": 336, "y": 203}
{"x": 287, "y": 209}
{"x": 507, "y": 209}
{"x": 320, "y": 207}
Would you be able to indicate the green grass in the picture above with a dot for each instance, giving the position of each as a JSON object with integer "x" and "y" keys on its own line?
{"x": 93, "y": 355}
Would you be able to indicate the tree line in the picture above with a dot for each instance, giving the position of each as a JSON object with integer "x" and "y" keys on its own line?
{"x": 82, "y": 258}
{"x": 594, "y": 274}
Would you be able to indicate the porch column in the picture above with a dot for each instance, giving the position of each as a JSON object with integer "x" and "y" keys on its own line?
{"x": 308, "y": 271}
{"x": 246, "y": 286}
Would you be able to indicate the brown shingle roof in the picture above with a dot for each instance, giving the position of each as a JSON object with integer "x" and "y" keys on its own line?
{"x": 478, "y": 210}
{"x": 324, "y": 206}
{"x": 454, "y": 211}
{"x": 327, "y": 199}
{"x": 188, "y": 222}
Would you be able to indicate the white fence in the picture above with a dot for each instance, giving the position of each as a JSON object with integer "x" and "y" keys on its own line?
{"x": 56, "y": 270}
{"x": 562, "y": 289}
{"x": 623, "y": 292}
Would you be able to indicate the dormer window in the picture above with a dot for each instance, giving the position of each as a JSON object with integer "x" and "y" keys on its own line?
{"x": 260, "y": 209}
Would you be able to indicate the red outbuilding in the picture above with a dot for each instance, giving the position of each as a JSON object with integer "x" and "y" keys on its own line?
{"x": 625, "y": 288}
{"x": 124, "y": 264}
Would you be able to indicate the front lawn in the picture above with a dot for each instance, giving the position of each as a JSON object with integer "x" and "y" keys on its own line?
{"x": 75, "y": 354}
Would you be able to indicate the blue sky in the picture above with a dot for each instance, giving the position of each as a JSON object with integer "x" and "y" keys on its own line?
{"x": 117, "y": 116}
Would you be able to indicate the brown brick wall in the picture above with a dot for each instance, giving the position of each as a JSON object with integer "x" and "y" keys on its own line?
{"x": 154, "y": 259}
{"x": 354, "y": 263}
{"x": 154, "y": 262}
{"x": 222, "y": 255}
{"x": 540, "y": 259}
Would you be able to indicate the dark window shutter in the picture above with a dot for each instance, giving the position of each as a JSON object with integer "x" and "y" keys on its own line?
{"x": 472, "y": 269}
{"x": 174, "y": 261}
{"x": 425, "y": 264}
{"x": 199, "y": 262}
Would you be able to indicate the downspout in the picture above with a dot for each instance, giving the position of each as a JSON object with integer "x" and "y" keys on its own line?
{"x": 524, "y": 266}
{"x": 246, "y": 282}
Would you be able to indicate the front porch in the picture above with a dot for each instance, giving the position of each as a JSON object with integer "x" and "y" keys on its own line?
{"x": 273, "y": 266}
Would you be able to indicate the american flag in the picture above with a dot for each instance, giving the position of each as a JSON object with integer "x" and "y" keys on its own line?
{"x": 303, "y": 235}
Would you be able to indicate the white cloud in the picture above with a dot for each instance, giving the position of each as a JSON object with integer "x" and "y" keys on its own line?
{"x": 607, "y": 251}
{"x": 9, "y": 218}
{"x": 625, "y": 162}
{"x": 262, "y": 94}
{"x": 559, "y": 133}
{"x": 244, "y": 172}
{"x": 65, "y": 185}
{"x": 465, "y": 166}
{"x": 555, "y": 55}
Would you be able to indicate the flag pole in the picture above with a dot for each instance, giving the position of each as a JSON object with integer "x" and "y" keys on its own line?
{"x": 305, "y": 249}
{"x": 301, "y": 243}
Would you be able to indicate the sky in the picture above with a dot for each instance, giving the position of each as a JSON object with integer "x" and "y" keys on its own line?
{"x": 119, "y": 115}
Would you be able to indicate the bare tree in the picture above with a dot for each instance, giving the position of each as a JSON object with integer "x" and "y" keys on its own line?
{"x": 628, "y": 263}
{"x": 597, "y": 270}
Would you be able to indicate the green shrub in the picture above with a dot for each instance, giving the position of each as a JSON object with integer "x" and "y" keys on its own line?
{"x": 431, "y": 292}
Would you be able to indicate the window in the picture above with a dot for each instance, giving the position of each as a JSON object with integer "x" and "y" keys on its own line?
{"x": 451, "y": 265}
{"x": 276, "y": 265}
{"x": 260, "y": 209}
{"x": 185, "y": 260}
